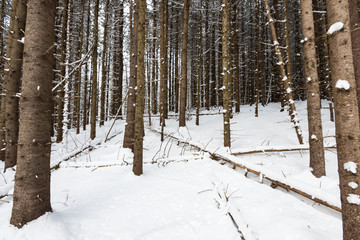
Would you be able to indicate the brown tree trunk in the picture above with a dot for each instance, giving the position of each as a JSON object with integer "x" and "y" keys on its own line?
{"x": 317, "y": 161}
{"x": 61, "y": 93}
{"x": 355, "y": 41}
{"x": 9, "y": 47}
{"x": 225, "y": 74}
{"x": 103, "y": 68}
{"x": 154, "y": 61}
{"x": 131, "y": 101}
{"x": 32, "y": 179}
{"x": 163, "y": 60}
{"x": 79, "y": 75}
{"x": 199, "y": 75}
{"x": 85, "y": 99}
{"x": 284, "y": 78}
{"x": 12, "y": 86}
{"x": 183, "y": 78}
{"x": 94, "y": 90}
{"x": 346, "y": 116}
{"x": 140, "y": 76}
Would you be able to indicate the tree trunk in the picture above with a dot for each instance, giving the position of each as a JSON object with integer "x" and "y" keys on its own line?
{"x": 94, "y": 90}
{"x": 140, "y": 76}
{"x": 355, "y": 41}
{"x": 317, "y": 161}
{"x": 183, "y": 78}
{"x": 346, "y": 116}
{"x": 61, "y": 93}
{"x": 131, "y": 101}
{"x": 32, "y": 179}
{"x": 225, "y": 74}
{"x": 9, "y": 47}
{"x": 103, "y": 74}
{"x": 12, "y": 86}
{"x": 163, "y": 60}
{"x": 154, "y": 61}
{"x": 85, "y": 100}
{"x": 284, "y": 78}
{"x": 79, "y": 75}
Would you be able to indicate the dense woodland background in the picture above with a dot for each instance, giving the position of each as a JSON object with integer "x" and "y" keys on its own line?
{"x": 115, "y": 59}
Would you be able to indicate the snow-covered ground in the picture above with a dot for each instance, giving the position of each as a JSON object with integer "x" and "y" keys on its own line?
{"x": 183, "y": 194}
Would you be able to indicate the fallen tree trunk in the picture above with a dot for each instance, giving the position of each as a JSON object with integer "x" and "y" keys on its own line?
{"x": 218, "y": 157}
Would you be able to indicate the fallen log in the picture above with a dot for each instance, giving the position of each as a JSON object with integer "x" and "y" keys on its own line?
{"x": 218, "y": 157}
{"x": 276, "y": 150}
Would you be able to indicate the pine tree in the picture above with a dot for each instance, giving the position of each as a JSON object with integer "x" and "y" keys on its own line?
{"x": 139, "y": 112}
{"x": 183, "y": 79}
{"x": 32, "y": 179}
{"x": 317, "y": 160}
{"x": 346, "y": 114}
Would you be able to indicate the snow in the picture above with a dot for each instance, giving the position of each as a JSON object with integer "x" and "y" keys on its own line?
{"x": 353, "y": 185}
{"x": 335, "y": 28}
{"x": 183, "y": 194}
{"x": 351, "y": 167}
{"x": 353, "y": 199}
{"x": 342, "y": 84}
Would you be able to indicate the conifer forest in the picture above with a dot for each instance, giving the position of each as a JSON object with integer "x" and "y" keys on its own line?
{"x": 179, "y": 119}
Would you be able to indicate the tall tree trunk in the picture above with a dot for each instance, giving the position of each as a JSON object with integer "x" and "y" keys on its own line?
{"x": 284, "y": 78}
{"x": 12, "y": 86}
{"x": 140, "y": 76}
{"x": 199, "y": 75}
{"x": 131, "y": 101}
{"x": 85, "y": 100}
{"x": 317, "y": 161}
{"x": 163, "y": 60}
{"x": 79, "y": 75}
{"x": 355, "y": 41}
{"x": 154, "y": 81}
{"x": 32, "y": 179}
{"x": 103, "y": 68}
{"x": 9, "y": 47}
{"x": 225, "y": 74}
{"x": 94, "y": 90}
{"x": 183, "y": 79}
{"x": 346, "y": 116}
{"x": 61, "y": 93}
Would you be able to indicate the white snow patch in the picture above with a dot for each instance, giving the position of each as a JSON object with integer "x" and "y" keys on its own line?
{"x": 335, "y": 28}
{"x": 288, "y": 90}
{"x": 351, "y": 167}
{"x": 342, "y": 84}
{"x": 314, "y": 137}
{"x": 353, "y": 199}
{"x": 353, "y": 185}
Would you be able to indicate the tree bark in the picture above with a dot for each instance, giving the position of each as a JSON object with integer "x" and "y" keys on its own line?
{"x": 284, "y": 78}
{"x": 6, "y": 72}
{"x": 346, "y": 116}
{"x": 85, "y": 99}
{"x": 32, "y": 179}
{"x": 163, "y": 60}
{"x": 79, "y": 75}
{"x": 12, "y": 86}
{"x": 131, "y": 101}
{"x": 317, "y": 160}
{"x": 61, "y": 93}
{"x": 183, "y": 78}
{"x": 355, "y": 41}
{"x": 140, "y": 76}
{"x": 225, "y": 74}
{"x": 94, "y": 89}
{"x": 103, "y": 68}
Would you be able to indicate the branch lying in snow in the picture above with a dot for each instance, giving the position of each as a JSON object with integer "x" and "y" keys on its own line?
{"x": 290, "y": 149}
{"x": 274, "y": 183}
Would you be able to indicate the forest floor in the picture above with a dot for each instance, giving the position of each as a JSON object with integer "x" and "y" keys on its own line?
{"x": 183, "y": 193}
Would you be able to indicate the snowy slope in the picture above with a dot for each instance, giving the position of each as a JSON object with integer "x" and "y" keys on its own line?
{"x": 182, "y": 192}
